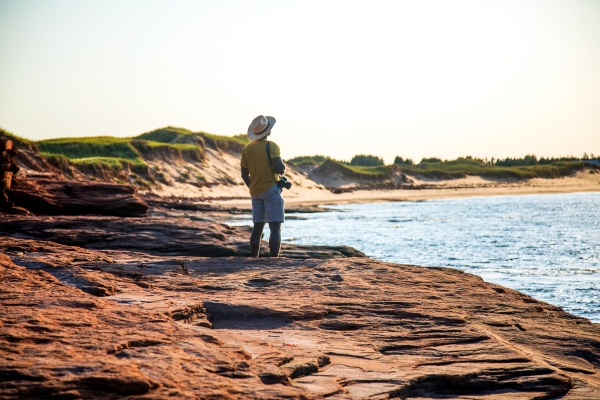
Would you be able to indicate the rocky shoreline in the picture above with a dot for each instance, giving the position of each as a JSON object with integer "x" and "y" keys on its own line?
{"x": 81, "y": 323}
{"x": 108, "y": 295}
{"x": 167, "y": 235}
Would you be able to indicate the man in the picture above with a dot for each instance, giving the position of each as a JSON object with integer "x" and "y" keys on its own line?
{"x": 261, "y": 176}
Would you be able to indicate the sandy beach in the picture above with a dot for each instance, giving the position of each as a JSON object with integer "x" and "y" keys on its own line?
{"x": 305, "y": 192}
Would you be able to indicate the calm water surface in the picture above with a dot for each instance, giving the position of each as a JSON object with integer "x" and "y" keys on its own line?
{"x": 547, "y": 246}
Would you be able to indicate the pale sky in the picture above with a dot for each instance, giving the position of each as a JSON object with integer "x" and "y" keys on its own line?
{"x": 411, "y": 78}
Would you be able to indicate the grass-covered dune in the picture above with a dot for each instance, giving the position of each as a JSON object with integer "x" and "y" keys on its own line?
{"x": 161, "y": 143}
{"x": 106, "y": 155}
{"x": 449, "y": 169}
{"x": 124, "y": 159}
{"x": 460, "y": 168}
{"x": 112, "y": 158}
{"x": 356, "y": 172}
{"x": 183, "y": 136}
{"x": 92, "y": 150}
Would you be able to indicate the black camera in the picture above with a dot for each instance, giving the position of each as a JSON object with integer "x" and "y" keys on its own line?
{"x": 284, "y": 183}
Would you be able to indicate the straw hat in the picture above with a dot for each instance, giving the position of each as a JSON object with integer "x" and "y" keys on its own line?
{"x": 260, "y": 127}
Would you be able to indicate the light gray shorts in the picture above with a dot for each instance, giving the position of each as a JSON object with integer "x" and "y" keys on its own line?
{"x": 268, "y": 206}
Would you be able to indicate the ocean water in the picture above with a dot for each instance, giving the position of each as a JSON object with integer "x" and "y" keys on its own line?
{"x": 547, "y": 246}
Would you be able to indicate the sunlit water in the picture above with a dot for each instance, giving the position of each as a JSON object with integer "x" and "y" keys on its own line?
{"x": 547, "y": 246}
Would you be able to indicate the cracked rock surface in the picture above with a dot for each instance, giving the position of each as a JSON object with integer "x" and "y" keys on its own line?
{"x": 81, "y": 323}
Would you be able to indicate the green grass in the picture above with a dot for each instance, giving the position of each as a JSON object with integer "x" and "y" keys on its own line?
{"x": 90, "y": 147}
{"x": 356, "y": 171}
{"x": 151, "y": 150}
{"x": 172, "y": 134}
{"x": 109, "y": 161}
{"x": 179, "y": 146}
{"x": 115, "y": 152}
{"x": 379, "y": 170}
{"x": 460, "y": 168}
{"x": 17, "y": 140}
{"x": 103, "y": 151}
{"x": 165, "y": 135}
{"x": 107, "y": 152}
{"x": 318, "y": 159}
{"x": 241, "y": 138}
{"x": 353, "y": 171}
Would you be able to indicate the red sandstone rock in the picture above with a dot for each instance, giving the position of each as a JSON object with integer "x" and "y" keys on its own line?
{"x": 154, "y": 235}
{"x": 60, "y": 197}
{"x": 281, "y": 328}
{"x": 57, "y": 341}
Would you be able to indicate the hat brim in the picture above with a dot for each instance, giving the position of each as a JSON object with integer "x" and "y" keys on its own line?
{"x": 254, "y": 136}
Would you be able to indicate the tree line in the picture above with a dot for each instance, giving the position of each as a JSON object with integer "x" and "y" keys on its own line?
{"x": 366, "y": 160}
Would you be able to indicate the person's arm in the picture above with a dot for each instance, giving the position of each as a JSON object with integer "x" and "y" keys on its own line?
{"x": 276, "y": 158}
{"x": 246, "y": 176}
{"x": 278, "y": 165}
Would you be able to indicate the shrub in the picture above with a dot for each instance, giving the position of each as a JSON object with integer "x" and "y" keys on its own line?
{"x": 318, "y": 159}
{"x": 430, "y": 160}
{"x": 529, "y": 159}
{"x": 363, "y": 160}
{"x": 401, "y": 161}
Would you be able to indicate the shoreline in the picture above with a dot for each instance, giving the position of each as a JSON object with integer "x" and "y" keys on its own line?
{"x": 311, "y": 197}
{"x": 170, "y": 323}
{"x": 445, "y": 194}
{"x": 325, "y": 236}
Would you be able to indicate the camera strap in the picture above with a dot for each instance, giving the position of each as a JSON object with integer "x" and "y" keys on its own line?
{"x": 269, "y": 152}
{"x": 269, "y": 156}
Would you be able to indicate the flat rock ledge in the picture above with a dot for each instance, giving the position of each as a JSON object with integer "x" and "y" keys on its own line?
{"x": 78, "y": 323}
{"x": 158, "y": 235}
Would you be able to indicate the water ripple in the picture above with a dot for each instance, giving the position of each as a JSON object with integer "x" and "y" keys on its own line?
{"x": 547, "y": 246}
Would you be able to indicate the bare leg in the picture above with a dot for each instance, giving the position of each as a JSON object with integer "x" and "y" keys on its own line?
{"x": 275, "y": 238}
{"x": 255, "y": 239}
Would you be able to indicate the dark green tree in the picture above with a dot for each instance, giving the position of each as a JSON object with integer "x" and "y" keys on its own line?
{"x": 366, "y": 160}
{"x": 401, "y": 161}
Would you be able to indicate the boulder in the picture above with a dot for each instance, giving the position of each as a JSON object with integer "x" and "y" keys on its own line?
{"x": 62, "y": 197}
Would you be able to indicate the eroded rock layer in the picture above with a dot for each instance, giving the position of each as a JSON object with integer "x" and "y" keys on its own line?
{"x": 61, "y": 197}
{"x": 79, "y": 323}
{"x": 159, "y": 235}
